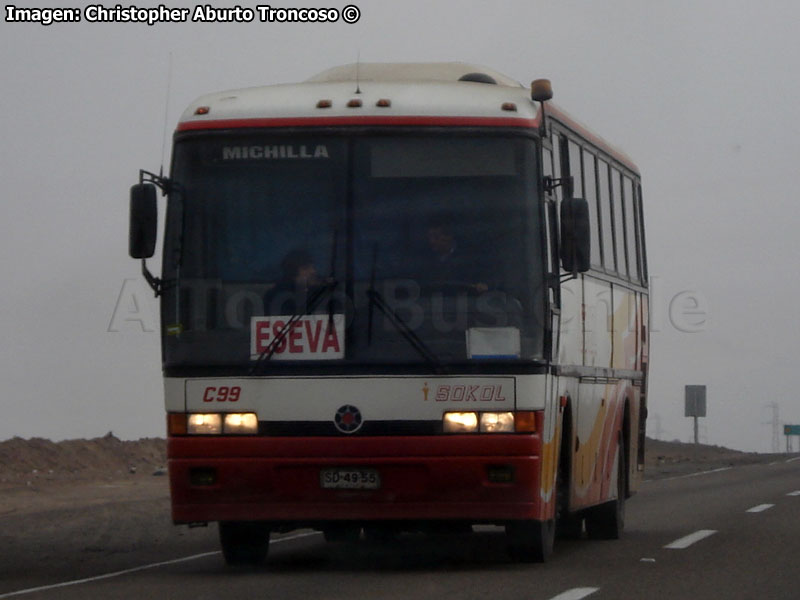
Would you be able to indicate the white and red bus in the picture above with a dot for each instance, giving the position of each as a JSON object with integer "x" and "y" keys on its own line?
{"x": 398, "y": 297}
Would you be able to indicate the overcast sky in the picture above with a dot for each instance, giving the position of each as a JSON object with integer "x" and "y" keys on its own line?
{"x": 702, "y": 94}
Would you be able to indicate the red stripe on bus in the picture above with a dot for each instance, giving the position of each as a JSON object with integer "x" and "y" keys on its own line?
{"x": 476, "y": 445}
{"x": 336, "y": 121}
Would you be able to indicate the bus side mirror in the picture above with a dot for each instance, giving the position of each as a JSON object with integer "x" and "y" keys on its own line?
{"x": 575, "y": 232}
{"x": 143, "y": 221}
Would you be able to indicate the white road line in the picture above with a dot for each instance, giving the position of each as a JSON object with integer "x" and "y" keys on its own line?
{"x": 691, "y": 474}
{"x": 795, "y": 493}
{"x": 760, "y": 508}
{"x": 793, "y": 459}
{"x": 575, "y": 594}
{"x": 690, "y": 539}
{"x": 135, "y": 569}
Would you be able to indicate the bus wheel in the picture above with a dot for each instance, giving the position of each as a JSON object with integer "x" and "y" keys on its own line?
{"x": 569, "y": 527}
{"x": 606, "y": 522}
{"x": 531, "y": 541}
{"x": 381, "y": 534}
{"x": 244, "y": 543}
{"x": 342, "y": 533}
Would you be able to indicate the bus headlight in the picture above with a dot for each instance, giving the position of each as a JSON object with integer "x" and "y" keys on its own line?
{"x": 489, "y": 422}
{"x": 460, "y": 422}
{"x": 497, "y": 422}
{"x": 241, "y": 423}
{"x": 204, "y": 424}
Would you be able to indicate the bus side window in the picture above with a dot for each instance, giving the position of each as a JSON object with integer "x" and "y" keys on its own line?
{"x": 547, "y": 163}
{"x": 630, "y": 228}
{"x": 605, "y": 216}
{"x": 619, "y": 223}
{"x": 642, "y": 239}
{"x": 551, "y": 236}
{"x": 575, "y": 170}
{"x": 558, "y": 167}
{"x": 590, "y": 193}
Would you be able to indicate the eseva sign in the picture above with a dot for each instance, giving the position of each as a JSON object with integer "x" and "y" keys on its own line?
{"x": 311, "y": 337}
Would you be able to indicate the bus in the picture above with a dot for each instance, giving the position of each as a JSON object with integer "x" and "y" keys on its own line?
{"x": 393, "y": 298}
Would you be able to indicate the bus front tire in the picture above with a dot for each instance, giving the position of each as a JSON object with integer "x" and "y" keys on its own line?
{"x": 531, "y": 541}
{"x": 244, "y": 543}
{"x": 349, "y": 534}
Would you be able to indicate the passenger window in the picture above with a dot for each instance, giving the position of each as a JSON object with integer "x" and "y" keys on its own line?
{"x": 619, "y": 223}
{"x": 547, "y": 160}
{"x": 558, "y": 171}
{"x": 630, "y": 228}
{"x": 590, "y": 193}
{"x": 575, "y": 169}
{"x": 605, "y": 216}
{"x": 640, "y": 229}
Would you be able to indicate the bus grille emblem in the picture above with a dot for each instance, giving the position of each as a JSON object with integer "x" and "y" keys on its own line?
{"x": 348, "y": 419}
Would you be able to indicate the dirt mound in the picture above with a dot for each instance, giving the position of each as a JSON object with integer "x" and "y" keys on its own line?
{"x": 37, "y": 460}
{"x": 663, "y": 459}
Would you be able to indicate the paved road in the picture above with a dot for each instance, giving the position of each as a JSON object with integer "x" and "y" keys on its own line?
{"x": 732, "y": 533}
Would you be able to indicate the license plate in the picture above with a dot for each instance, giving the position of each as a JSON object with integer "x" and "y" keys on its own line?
{"x": 350, "y": 479}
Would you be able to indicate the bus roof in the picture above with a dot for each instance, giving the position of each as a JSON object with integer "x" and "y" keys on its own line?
{"x": 421, "y": 94}
{"x": 449, "y": 72}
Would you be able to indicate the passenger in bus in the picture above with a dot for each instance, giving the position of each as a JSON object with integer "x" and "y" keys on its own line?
{"x": 449, "y": 263}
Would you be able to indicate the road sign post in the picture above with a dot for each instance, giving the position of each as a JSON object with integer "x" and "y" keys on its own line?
{"x": 695, "y": 405}
{"x": 788, "y": 431}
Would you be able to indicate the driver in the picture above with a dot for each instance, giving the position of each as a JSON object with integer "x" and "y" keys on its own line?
{"x": 299, "y": 277}
{"x": 448, "y": 262}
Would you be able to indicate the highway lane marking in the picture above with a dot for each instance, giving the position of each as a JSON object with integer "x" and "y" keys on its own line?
{"x": 54, "y": 586}
{"x": 690, "y": 539}
{"x": 712, "y": 471}
{"x": 760, "y": 508}
{"x": 690, "y": 475}
{"x": 575, "y": 593}
{"x": 795, "y": 493}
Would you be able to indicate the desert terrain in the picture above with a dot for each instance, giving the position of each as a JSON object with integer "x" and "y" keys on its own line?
{"x": 103, "y": 500}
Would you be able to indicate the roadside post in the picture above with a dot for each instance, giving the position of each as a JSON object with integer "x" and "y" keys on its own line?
{"x": 695, "y": 405}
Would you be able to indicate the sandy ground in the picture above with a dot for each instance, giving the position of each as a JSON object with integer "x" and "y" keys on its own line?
{"x": 38, "y": 475}
{"x": 99, "y": 501}
{"x": 81, "y": 507}
{"x": 670, "y": 459}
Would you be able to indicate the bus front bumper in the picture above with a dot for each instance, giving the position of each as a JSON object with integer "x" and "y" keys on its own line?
{"x": 476, "y": 478}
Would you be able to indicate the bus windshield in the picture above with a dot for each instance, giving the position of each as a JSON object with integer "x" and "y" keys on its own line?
{"x": 436, "y": 235}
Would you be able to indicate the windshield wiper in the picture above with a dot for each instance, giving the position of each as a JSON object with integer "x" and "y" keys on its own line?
{"x": 311, "y": 304}
{"x": 377, "y": 300}
{"x": 313, "y": 301}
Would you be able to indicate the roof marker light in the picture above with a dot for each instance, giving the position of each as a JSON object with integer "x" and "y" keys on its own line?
{"x": 383, "y": 103}
{"x": 509, "y": 106}
{"x": 324, "y": 104}
{"x": 354, "y": 103}
{"x": 202, "y": 110}
{"x": 541, "y": 90}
